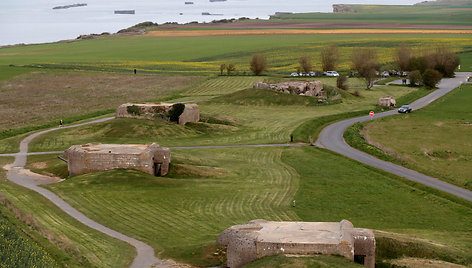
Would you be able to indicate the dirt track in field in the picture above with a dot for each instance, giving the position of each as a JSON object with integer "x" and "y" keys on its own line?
{"x": 239, "y": 32}
{"x": 310, "y": 25}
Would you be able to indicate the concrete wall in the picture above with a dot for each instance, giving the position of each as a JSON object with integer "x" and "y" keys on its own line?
{"x": 245, "y": 243}
{"x": 81, "y": 161}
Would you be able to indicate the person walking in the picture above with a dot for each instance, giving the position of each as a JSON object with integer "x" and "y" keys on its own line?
{"x": 61, "y": 123}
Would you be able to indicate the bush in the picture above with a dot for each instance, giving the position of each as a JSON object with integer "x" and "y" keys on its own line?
{"x": 258, "y": 64}
{"x": 341, "y": 82}
{"x": 415, "y": 78}
{"x": 134, "y": 110}
{"x": 431, "y": 78}
{"x": 176, "y": 111}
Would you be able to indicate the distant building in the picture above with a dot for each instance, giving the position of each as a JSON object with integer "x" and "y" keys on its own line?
{"x": 259, "y": 238}
{"x": 94, "y": 157}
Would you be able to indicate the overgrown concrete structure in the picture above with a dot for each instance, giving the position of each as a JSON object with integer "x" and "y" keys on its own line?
{"x": 303, "y": 88}
{"x": 259, "y": 238}
{"x": 388, "y": 101}
{"x": 191, "y": 113}
{"x": 93, "y": 157}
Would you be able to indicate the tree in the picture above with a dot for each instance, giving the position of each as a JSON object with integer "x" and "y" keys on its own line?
{"x": 445, "y": 61}
{"x": 222, "y": 68}
{"x": 341, "y": 82}
{"x": 230, "y": 69}
{"x": 415, "y": 78}
{"x": 403, "y": 58}
{"x": 258, "y": 64}
{"x": 431, "y": 78}
{"x": 329, "y": 58}
{"x": 365, "y": 62}
{"x": 305, "y": 64}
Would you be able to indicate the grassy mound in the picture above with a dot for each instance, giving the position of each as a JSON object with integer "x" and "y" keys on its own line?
{"x": 267, "y": 97}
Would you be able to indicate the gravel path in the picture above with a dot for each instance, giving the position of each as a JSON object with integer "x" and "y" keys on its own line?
{"x": 332, "y": 138}
{"x": 17, "y": 174}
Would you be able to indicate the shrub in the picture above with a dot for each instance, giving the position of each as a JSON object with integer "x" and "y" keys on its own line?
{"x": 341, "y": 82}
{"x": 258, "y": 64}
{"x": 134, "y": 110}
{"x": 431, "y": 78}
{"x": 305, "y": 64}
{"x": 415, "y": 78}
{"x": 176, "y": 111}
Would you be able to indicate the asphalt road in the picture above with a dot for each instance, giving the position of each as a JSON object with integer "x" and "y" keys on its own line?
{"x": 332, "y": 139}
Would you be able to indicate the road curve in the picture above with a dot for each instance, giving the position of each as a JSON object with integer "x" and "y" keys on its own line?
{"x": 17, "y": 174}
{"x": 332, "y": 139}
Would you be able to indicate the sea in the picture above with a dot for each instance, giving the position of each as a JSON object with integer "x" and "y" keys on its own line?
{"x": 35, "y": 21}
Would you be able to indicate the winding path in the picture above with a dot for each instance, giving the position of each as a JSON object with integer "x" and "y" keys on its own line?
{"x": 17, "y": 174}
{"x": 332, "y": 139}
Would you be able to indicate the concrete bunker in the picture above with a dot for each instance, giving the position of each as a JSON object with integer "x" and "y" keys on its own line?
{"x": 388, "y": 101}
{"x": 302, "y": 88}
{"x": 191, "y": 112}
{"x": 93, "y": 157}
{"x": 260, "y": 238}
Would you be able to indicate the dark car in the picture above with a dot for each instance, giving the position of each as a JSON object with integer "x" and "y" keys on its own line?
{"x": 405, "y": 109}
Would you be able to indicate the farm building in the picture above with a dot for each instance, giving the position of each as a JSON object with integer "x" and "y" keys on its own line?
{"x": 93, "y": 157}
{"x": 190, "y": 113}
{"x": 259, "y": 238}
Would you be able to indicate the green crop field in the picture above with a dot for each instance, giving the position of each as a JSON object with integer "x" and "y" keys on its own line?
{"x": 447, "y": 14}
{"x": 439, "y": 138}
{"x": 203, "y": 55}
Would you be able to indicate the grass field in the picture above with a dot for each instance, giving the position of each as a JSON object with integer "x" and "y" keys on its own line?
{"x": 439, "y": 138}
{"x": 44, "y": 96}
{"x": 75, "y": 245}
{"x": 246, "y": 118}
{"x": 211, "y": 189}
{"x": 452, "y": 13}
{"x": 203, "y": 55}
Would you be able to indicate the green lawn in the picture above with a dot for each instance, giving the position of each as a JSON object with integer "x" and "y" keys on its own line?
{"x": 438, "y": 139}
{"x": 209, "y": 190}
{"x": 246, "y": 119}
{"x": 70, "y": 242}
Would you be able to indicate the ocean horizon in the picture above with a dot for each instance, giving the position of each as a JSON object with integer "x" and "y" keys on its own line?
{"x": 35, "y": 21}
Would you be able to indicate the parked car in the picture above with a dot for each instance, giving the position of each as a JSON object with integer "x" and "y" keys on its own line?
{"x": 312, "y": 74}
{"x": 385, "y": 74}
{"x": 331, "y": 73}
{"x": 293, "y": 74}
{"x": 404, "y": 109}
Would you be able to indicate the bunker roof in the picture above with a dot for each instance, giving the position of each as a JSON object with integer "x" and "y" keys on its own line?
{"x": 98, "y": 148}
{"x": 300, "y": 232}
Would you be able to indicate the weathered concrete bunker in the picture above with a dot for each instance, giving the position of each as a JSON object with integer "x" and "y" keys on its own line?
{"x": 387, "y": 101}
{"x": 303, "y": 88}
{"x": 259, "y": 238}
{"x": 191, "y": 113}
{"x": 93, "y": 157}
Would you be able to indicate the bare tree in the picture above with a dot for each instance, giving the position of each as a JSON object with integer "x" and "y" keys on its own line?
{"x": 222, "y": 68}
{"x": 403, "y": 57}
{"x": 305, "y": 64}
{"x": 329, "y": 58}
{"x": 230, "y": 69}
{"x": 258, "y": 64}
{"x": 365, "y": 62}
{"x": 445, "y": 61}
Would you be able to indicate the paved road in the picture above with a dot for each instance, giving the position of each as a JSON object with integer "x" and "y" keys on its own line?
{"x": 17, "y": 174}
{"x": 332, "y": 138}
